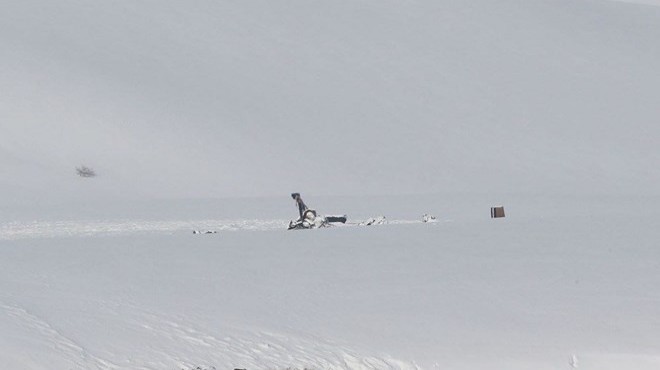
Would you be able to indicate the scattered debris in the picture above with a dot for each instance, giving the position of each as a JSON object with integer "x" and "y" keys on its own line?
{"x": 309, "y": 219}
{"x": 204, "y": 232}
{"x": 380, "y": 220}
{"x": 428, "y": 218}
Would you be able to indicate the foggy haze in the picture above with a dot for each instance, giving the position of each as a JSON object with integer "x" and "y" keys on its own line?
{"x": 257, "y": 98}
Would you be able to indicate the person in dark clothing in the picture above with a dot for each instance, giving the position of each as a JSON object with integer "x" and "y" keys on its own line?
{"x": 301, "y": 205}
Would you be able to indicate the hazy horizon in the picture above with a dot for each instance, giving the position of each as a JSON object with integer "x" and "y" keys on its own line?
{"x": 257, "y": 98}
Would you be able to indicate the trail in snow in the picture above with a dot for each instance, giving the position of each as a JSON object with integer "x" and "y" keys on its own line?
{"x": 38, "y": 329}
{"x": 54, "y": 229}
{"x": 240, "y": 348}
{"x": 184, "y": 345}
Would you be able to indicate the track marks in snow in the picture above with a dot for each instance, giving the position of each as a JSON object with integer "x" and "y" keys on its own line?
{"x": 59, "y": 229}
{"x": 174, "y": 342}
{"x": 185, "y": 344}
{"x": 67, "y": 349}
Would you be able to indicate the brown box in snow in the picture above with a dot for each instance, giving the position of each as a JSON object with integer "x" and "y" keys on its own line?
{"x": 496, "y": 212}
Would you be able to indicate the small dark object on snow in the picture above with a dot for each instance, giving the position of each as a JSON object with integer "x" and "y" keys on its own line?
{"x": 497, "y": 212}
{"x": 341, "y": 219}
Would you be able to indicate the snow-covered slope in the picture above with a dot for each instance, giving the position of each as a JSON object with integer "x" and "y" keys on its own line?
{"x": 170, "y": 99}
{"x": 561, "y": 283}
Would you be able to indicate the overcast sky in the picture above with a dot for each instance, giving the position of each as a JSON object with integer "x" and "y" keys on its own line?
{"x": 227, "y": 98}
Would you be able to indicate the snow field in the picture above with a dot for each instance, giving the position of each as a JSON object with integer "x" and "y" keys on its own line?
{"x": 574, "y": 284}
